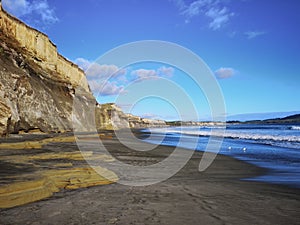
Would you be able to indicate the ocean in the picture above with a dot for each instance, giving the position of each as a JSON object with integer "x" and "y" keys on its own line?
{"x": 275, "y": 147}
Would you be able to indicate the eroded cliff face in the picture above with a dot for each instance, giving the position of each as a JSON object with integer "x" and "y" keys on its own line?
{"x": 42, "y": 51}
{"x": 30, "y": 99}
{"x": 37, "y": 85}
{"x": 110, "y": 116}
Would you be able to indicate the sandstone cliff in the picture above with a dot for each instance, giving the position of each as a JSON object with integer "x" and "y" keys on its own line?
{"x": 37, "y": 84}
{"x": 41, "y": 51}
{"x": 110, "y": 116}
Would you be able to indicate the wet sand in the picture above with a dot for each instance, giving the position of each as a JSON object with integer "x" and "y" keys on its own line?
{"x": 215, "y": 196}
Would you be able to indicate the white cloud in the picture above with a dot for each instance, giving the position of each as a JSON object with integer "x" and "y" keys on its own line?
{"x": 151, "y": 116}
{"x": 224, "y": 73}
{"x": 254, "y": 34}
{"x": 196, "y": 7}
{"x": 39, "y": 8}
{"x": 43, "y": 9}
{"x": 116, "y": 78}
{"x": 144, "y": 74}
{"x": 95, "y": 71}
{"x": 82, "y": 63}
{"x": 16, "y": 7}
{"x": 106, "y": 88}
{"x": 214, "y": 10}
{"x": 166, "y": 71}
{"x": 219, "y": 17}
{"x": 100, "y": 76}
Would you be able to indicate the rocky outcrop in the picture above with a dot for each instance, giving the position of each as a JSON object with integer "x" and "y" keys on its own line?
{"x": 5, "y": 114}
{"x": 110, "y": 116}
{"x": 37, "y": 85}
{"x": 30, "y": 99}
{"x": 42, "y": 51}
{"x": 138, "y": 122}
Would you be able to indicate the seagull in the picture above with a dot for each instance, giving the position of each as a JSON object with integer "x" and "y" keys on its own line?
{"x": 229, "y": 148}
{"x": 244, "y": 149}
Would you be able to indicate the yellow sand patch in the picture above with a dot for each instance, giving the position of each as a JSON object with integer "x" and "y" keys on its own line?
{"x": 44, "y": 183}
{"x": 40, "y": 143}
{"x": 63, "y": 165}
{"x": 81, "y": 177}
{"x": 36, "y": 144}
{"x": 76, "y": 156}
{"x": 51, "y": 181}
{"x": 24, "y": 192}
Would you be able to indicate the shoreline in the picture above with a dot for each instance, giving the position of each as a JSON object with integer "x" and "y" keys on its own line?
{"x": 267, "y": 155}
{"x": 215, "y": 196}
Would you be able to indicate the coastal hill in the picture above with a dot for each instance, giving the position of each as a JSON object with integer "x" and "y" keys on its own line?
{"x": 288, "y": 119}
{"x": 37, "y": 86}
{"x": 295, "y": 119}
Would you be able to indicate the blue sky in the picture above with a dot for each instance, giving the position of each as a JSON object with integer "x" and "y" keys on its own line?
{"x": 252, "y": 46}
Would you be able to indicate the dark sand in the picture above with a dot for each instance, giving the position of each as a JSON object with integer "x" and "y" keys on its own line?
{"x": 216, "y": 196}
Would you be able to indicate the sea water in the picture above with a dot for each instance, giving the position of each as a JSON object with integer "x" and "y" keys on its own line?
{"x": 275, "y": 147}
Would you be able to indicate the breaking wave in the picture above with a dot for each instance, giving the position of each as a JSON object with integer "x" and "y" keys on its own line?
{"x": 295, "y": 128}
{"x": 247, "y": 136}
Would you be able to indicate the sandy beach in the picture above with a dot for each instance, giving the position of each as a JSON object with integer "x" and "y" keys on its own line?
{"x": 216, "y": 196}
{"x": 222, "y": 69}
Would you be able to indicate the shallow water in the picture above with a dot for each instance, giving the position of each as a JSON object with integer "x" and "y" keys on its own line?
{"x": 275, "y": 147}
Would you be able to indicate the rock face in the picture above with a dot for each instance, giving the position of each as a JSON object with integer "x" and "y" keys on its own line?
{"x": 111, "y": 117}
{"x": 37, "y": 84}
{"x": 138, "y": 122}
{"x": 41, "y": 50}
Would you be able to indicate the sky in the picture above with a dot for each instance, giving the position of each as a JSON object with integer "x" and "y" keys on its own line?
{"x": 252, "y": 48}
